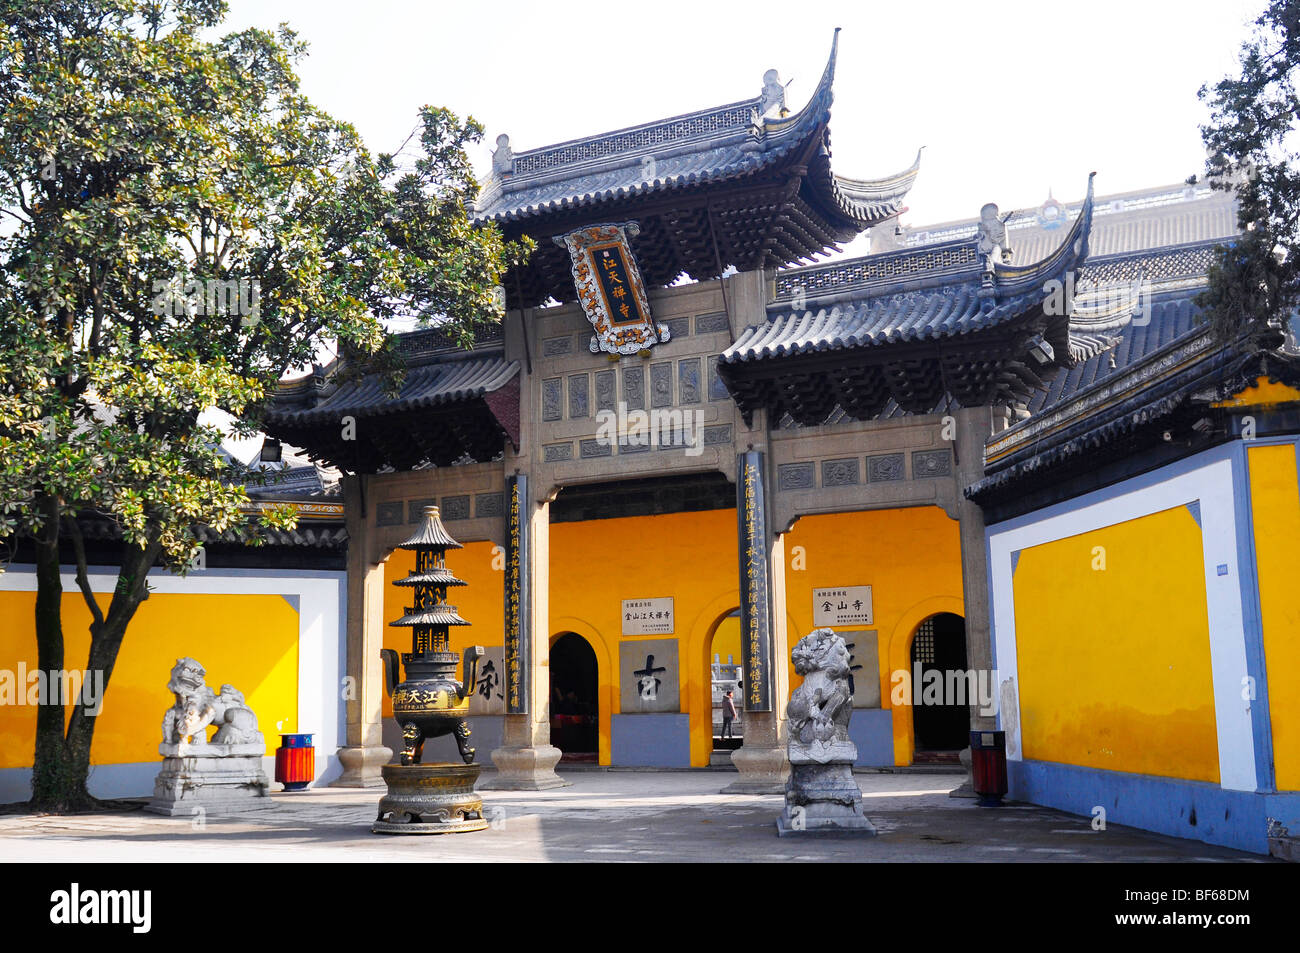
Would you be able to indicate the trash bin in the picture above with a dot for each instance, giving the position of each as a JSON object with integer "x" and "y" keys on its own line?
{"x": 988, "y": 760}
{"x": 295, "y": 762}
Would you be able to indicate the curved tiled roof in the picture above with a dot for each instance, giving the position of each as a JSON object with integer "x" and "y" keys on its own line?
{"x": 448, "y": 406}
{"x": 711, "y": 145}
{"x": 940, "y": 304}
{"x": 424, "y": 387}
{"x": 909, "y": 316}
{"x": 1166, "y": 320}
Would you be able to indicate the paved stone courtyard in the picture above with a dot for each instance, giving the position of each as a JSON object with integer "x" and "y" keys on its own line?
{"x": 608, "y": 816}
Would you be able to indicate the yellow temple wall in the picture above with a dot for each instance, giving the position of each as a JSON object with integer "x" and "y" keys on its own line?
{"x": 247, "y": 640}
{"x": 1275, "y": 511}
{"x": 911, "y": 558}
{"x": 1113, "y": 649}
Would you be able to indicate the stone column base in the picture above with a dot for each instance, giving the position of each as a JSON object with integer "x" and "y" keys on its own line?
{"x": 763, "y": 770}
{"x": 525, "y": 769}
{"x": 362, "y": 766}
{"x": 967, "y": 788}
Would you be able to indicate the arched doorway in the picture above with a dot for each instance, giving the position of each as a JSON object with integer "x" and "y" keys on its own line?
{"x": 726, "y": 674}
{"x": 940, "y": 701}
{"x": 574, "y": 706}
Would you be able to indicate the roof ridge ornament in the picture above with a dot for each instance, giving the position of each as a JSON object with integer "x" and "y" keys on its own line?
{"x": 991, "y": 245}
{"x": 503, "y": 157}
{"x": 773, "y": 98}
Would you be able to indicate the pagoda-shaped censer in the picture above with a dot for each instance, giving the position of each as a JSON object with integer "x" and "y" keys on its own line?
{"x": 430, "y": 798}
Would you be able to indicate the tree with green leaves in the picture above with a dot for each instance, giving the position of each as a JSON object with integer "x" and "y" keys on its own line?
{"x": 179, "y": 228}
{"x": 1254, "y": 285}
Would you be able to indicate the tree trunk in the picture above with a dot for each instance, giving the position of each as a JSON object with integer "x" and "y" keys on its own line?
{"x": 56, "y": 786}
{"x": 62, "y": 762}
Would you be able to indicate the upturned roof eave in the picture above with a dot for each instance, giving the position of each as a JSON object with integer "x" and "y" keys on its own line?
{"x": 849, "y": 204}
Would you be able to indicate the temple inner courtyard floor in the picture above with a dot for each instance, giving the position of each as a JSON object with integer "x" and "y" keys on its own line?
{"x": 608, "y": 815}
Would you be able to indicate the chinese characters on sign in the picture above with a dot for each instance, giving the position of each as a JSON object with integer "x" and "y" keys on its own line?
{"x": 755, "y": 586}
{"x": 648, "y": 680}
{"x": 648, "y": 616}
{"x": 611, "y": 290}
{"x": 489, "y": 696}
{"x": 864, "y": 666}
{"x": 611, "y": 269}
{"x": 648, "y": 677}
{"x": 518, "y": 647}
{"x": 842, "y": 605}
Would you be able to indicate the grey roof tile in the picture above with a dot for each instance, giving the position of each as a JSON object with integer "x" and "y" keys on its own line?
{"x": 893, "y": 306}
{"x": 423, "y": 387}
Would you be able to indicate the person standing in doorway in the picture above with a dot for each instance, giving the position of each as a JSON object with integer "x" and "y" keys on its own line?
{"x": 728, "y": 713}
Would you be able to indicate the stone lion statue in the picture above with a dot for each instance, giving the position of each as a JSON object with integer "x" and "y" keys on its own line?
{"x": 819, "y": 709}
{"x": 197, "y": 706}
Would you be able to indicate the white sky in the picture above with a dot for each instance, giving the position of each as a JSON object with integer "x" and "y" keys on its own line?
{"x": 1009, "y": 98}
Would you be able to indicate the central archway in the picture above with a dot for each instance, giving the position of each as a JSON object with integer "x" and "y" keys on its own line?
{"x": 575, "y": 708}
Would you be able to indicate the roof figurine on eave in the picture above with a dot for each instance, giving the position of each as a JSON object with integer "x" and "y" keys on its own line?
{"x": 921, "y": 327}
{"x": 747, "y": 184}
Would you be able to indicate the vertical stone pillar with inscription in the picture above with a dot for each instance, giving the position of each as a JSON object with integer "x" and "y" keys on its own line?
{"x": 762, "y": 760}
{"x": 527, "y": 759}
{"x": 974, "y": 425}
{"x": 364, "y": 753}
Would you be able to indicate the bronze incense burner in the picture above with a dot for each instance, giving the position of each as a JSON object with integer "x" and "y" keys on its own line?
{"x": 430, "y": 702}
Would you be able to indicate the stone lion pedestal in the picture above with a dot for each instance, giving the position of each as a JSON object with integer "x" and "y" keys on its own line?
{"x": 821, "y": 796}
{"x": 221, "y": 776}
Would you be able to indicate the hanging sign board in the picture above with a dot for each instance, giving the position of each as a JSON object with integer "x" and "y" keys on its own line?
{"x": 611, "y": 290}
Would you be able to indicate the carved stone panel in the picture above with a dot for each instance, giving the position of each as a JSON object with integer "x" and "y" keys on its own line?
{"x": 490, "y": 504}
{"x": 864, "y": 666}
{"x": 634, "y": 388}
{"x": 552, "y": 398}
{"x": 717, "y": 435}
{"x": 593, "y": 448}
{"x": 605, "y": 397}
{"x": 885, "y": 468}
{"x": 578, "y": 402}
{"x": 795, "y": 476}
{"x": 679, "y": 328}
{"x": 931, "y": 463}
{"x": 389, "y": 514}
{"x": 415, "y": 508}
{"x": 489, "y": 696}
{"x": 555, "y": 452}
{"x": 455, "y": 507}
{"x": 840, "y": 472}
{"x": 555, "y": 347}
{"x": 648, "y": 676}
{"x": 709, "y": 323}
{"x": 717, "y": 389}
{"x": 688, "y": 381}
{"x": 661, "y": 385}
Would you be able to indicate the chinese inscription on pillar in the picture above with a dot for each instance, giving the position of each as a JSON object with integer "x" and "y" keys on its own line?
{"x": 755, "y": 582}
{"x": 518, "y": 622}
{"x": 611, "y": 289}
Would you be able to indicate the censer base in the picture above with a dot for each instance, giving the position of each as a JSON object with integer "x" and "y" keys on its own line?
{"x": 430, "y": 799}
